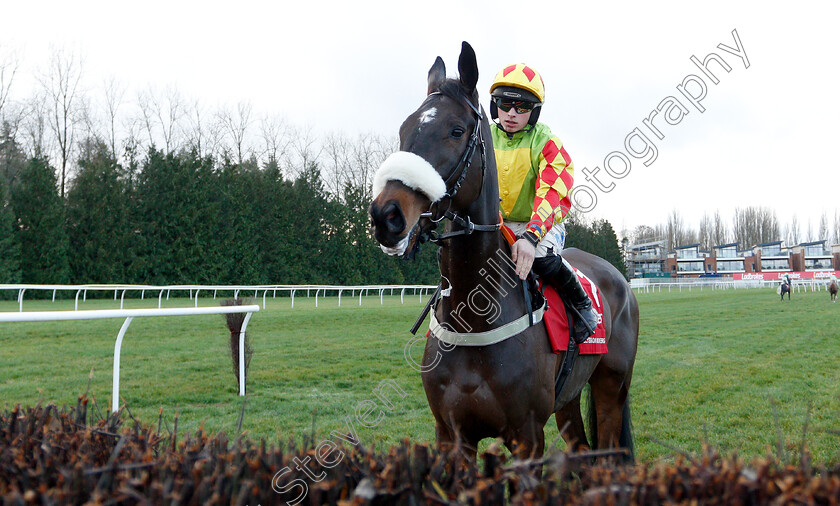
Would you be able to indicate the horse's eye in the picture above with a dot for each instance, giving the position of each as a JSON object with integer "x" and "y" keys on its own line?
{"x": 457, "y": 132}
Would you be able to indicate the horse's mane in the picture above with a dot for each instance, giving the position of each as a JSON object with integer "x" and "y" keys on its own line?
{"x": 452, "y": 88}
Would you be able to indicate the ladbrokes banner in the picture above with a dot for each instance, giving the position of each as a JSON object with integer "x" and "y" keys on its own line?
{"x": 770, "y": 276}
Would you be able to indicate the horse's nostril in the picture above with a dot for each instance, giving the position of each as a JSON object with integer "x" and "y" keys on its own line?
{"x": 389, "y": 217}
{"x": 389, "y": 208}
{"x": 394, "y": 218}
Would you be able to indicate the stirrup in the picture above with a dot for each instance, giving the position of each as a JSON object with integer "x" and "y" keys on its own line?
{"x": 581, "y": 328}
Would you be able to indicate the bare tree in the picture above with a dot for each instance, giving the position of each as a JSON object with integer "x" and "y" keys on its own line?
{"x": 8, "y": 68}
{"x": 35, "y": 125}
{"x": 90, "y": 123}
{"x": 131, "y": 146}
{"x": 147, "y": 115}
{"x": 200, "y": 131}
{"x": 793, "y": 234}
{"x": 99, "y": 118}
{"x": 235, "y": 125}
{"x": 768, "y": 226}
{"x": 677, "y": 233}
{"x": 707, "y": 239}
{"x": 673, "y": 229}
{"x": 660, "y": 231}
{"x": 644, "y": 233}
{"x": 368, "y": 154}
{"x": 353, "y": 163}
{"x": 132, "y": 126}
{"x": 162, "y": 112}
{"x": 114, "y": 93}
{"x": 337, "y": 170}
{"x": 11, "y": 154}
{"x": 14, "y": 117}
{"x": 60, "y": 83}
{"x": 836, "y": 229}
{"x": 755, "y": 225}
{"x": 720, "y": 235}
{"x": 741, "y": 227}
{"x": 823, "y": 234}
{"x": 304, "y": 152}
{"x": 274, "y": 133}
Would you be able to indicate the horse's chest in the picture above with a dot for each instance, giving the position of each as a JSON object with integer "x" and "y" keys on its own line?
{"x": 469, "y": 375}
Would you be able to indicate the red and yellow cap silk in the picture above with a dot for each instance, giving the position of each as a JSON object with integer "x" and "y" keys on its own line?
{"x": 520, "y": 75}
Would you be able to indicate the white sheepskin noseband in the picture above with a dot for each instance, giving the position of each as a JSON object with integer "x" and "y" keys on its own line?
{"x": 411, "y": 170}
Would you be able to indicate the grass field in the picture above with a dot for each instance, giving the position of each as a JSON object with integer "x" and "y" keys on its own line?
{"x": 738, "y": 369}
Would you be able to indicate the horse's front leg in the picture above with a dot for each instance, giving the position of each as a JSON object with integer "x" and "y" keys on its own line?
{"x": 444, "y": 437}
{"x": 448, "y": 439}
{"x": 528, "y": 441}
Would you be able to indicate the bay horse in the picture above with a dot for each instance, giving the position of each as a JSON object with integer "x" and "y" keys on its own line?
{"x": 832, "y": 290}
{"x": 446, "y": 169}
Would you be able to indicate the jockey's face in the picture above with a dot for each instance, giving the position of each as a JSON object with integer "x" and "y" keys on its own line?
{"x": 512, "y": 121}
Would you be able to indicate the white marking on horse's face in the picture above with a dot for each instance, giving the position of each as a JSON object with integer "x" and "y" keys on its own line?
{"x": 428, "y": 116}
{"x": 399, "y": 249}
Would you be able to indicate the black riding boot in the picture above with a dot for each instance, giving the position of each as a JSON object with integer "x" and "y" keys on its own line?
{"x": 559, "y": 274}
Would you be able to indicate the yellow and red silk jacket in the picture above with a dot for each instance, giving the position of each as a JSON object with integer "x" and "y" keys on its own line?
{"x": 535, "y": 178}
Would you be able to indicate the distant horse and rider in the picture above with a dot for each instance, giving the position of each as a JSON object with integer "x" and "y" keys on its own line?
{"x": 784, "y": 288}
{"x": 832, "y": 290}
{"x": 488, "y": 367}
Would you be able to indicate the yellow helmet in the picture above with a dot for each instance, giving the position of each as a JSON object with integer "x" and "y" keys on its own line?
{"x": 519, "y": 76}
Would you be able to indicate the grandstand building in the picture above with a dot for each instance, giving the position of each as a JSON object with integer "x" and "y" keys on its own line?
{"x": 812, "y": 256}
{"x": 772, "y": 257}
{"x": 807, "y": 260}
{"x": 691, "y": 261}
{"x": 729, "y": 259}
{"x": 647, "y": 260}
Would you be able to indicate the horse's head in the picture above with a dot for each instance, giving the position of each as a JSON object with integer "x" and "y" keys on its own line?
{"x": 432, "y": 172}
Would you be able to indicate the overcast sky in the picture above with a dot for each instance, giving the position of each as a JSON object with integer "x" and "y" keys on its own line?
{"x": 767, "y": 136}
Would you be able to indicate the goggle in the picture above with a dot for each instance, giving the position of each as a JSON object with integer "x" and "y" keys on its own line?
{"x": 521, "y": 106}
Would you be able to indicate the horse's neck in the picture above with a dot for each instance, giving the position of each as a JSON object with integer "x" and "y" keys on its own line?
{"x": 485, "y": 291}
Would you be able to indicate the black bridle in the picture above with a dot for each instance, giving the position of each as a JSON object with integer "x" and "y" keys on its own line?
{"x": 459, "y": 173}
{"x": 467, "y": 226}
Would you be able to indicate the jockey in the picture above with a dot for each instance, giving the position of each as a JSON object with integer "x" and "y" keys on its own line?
{"x": 535, "y": 178}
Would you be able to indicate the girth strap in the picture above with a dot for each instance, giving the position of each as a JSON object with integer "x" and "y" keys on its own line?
{"x": 488, "y": 337}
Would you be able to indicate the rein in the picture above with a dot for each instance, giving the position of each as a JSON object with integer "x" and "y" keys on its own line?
{"x": 468, "y": 227}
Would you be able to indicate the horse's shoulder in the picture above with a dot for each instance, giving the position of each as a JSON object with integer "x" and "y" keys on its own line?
{"x": 588, "y": 263}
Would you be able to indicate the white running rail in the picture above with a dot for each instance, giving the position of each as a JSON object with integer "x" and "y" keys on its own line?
{"x": 129, "y": 314}
{"x": 81, "y": 290}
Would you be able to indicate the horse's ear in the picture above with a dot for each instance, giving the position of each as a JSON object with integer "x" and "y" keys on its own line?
{"x": 437, "y": 75}
{"x": 468, "y": 67}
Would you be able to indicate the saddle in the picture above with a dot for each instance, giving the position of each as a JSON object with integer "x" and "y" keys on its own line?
{"x": 558, "y": 316}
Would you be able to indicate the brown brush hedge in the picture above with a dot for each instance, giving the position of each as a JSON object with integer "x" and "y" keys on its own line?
{"x": 62, "y": 456}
